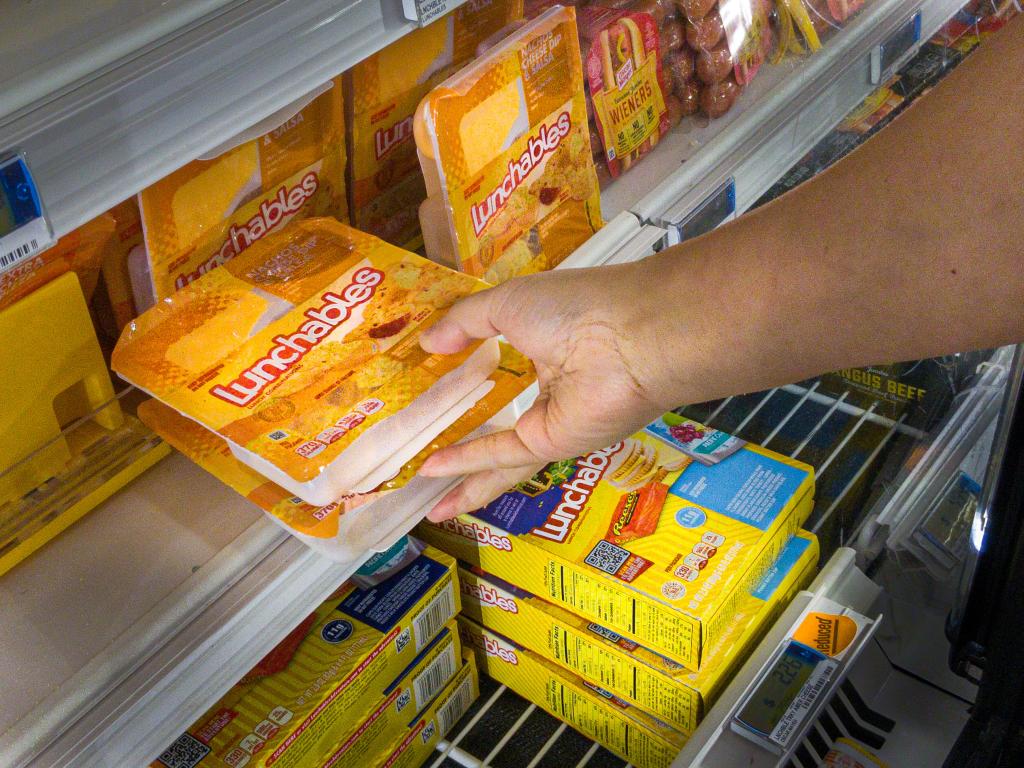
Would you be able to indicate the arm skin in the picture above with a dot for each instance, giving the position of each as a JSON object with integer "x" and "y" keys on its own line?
{"x": 910, "y": 247}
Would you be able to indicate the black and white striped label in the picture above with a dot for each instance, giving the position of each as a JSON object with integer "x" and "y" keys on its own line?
{"x": 457, "y": 705}
{"x": 435, "y": 676}
{"x": 428, "y": 622}
{"x": 789, "y": 724}
{"x": 24, "y": 243}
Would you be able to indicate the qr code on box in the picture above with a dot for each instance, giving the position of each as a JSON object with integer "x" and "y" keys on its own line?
{"x": 607, "y": 557}
{"x": 402, "y": 640}
{"x": 186, "y": 752}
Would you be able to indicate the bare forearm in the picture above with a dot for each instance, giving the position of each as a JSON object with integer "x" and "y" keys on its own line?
{"x": 912, "y": 246}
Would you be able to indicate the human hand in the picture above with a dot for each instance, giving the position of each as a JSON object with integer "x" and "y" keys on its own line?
{"x": 592, "y": 336}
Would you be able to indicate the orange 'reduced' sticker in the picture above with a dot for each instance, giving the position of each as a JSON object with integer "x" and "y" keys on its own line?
{"x": 826, "y": 632}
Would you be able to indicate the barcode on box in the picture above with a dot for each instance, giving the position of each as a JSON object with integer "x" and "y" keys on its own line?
{"x": 186, "y": 752}
{"x": 456, "y": 706}
{"x": 428, "y": 622}
{"x": 428, "y": 683}
{"x": 23, "y": 251}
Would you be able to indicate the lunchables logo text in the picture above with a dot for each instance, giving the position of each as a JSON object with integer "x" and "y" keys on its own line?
{"x": 492, "y": 646}
{"x": 481, "y": 534}
{"x": 575, "y": 494}
{"x": 273, "y": 212}
{"x": 386, "y": 139}
{"x": 538, "y": 147}
{"x": 488, "y": 595}
{"x": 289, "y": 350}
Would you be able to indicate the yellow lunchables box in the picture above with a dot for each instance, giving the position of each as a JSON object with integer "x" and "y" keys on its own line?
{"x": 303, "y": 353}
{"x": 358, "y": 648}
{"x": 630, "y": 733}
{"x": 214, "y": 208}
{"x": 417, "y": 741}
{"x": 628, "y": 670}
{"x": 656, "y": 537}
{"x": 347, "y": 527}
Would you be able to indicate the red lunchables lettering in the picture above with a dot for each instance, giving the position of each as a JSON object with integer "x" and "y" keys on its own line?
{"x": 538, "y": 147}
{"x": 482, "y": 535}
{"x": 272, "y": 213}
{"x": 215, "y": 725}
{"x": 386, "y": 139}
{"x": 575, "y": 494}
{"x": 488, "y": 595}
{"x": 290, "y": 349}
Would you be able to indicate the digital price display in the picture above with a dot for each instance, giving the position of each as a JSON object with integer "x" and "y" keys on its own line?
{"x": 24, "y": 230}
{"x": 786, "y": 693}
{"x": 717, "y": 208}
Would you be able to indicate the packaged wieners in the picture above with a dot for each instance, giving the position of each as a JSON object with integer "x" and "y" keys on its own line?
{"x": 627, "y": 669}
{"x": 505, "y": 152}
{"x": 303, "y": 353}
{"x": 640, "y": 537}
{"x": 346, "y": 528}
{"x": 359, "y": 648}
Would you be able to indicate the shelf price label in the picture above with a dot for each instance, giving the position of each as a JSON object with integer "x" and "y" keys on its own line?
{"x": 888, "y": 54}
{"x": 24, "y": 230}
{"x": 425, "y": 11}
{"x": 714, "y": 210}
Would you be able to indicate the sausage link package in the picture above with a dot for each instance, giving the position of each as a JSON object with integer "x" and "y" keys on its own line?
{"x": 303, "y": 353}
{"x": 383, "y": 91}
{"x": 625, "y": 669}
{"x": 392, "y": 645}
{"x": 80, "y": 251}
{"x": 632, "y": 734}
{"x": 657, "y": 537}
{"x": 351, "y": 525}
{"x": 505, "y": 152}
{"x": 414, "y": 747}
{"x": 213, "y": 209}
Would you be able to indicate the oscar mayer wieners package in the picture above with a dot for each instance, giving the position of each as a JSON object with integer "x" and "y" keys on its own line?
{"x": 413, "y": 748}
{"x": 630, "y": 671}
{"x": 303, "y": 353}
{"x": 358, "y": 648}
{"x": 347, "y": 527}
{"x": 505, "y": 152}
{"x": 382, "y": 93}
{"x": 627, "y": 89}
{"x": 634, "y": 735}
{"x": 639, "y": 537}
{"x": 212, "y": 209}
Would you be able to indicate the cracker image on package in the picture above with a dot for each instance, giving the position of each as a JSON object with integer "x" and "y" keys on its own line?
{"x": 414, "y": 747}
{"x": 627, "y": 669}
{"x": 505, "y": 151}
{"x": 641, "y": 538}
{"x": 348, "y": 526}
{"x": 214, "y": 208}
{"x": 387, "y": 650}
{"x": 633, "y": 735}
{"x": 303, "y": 353}
{"x": 382, "y": 93}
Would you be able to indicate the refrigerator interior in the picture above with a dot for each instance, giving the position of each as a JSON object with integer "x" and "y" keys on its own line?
{"x": 121, "y": 631}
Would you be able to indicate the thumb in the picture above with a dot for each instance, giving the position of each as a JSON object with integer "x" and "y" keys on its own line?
{"x": 473, "y": 317}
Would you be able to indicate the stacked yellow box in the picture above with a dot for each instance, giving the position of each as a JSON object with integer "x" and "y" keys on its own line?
{"x": 382, "y": 93}
{"x": 621, "y": 590}
{"x": 348, "y": 680}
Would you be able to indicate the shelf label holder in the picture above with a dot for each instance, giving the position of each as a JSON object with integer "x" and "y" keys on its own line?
{"x": 713, "y": 211}
{"x": 886, "y": 55}
{"x": 24, "y": 227}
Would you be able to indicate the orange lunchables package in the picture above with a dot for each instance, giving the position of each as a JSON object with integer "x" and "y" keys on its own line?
{"x": 214, "y": 208}
{"x": 80, "y": 251}
{"x": 505, "y": 152}
{"x": 303, "y": 353}
{"x": 623, "y": 64}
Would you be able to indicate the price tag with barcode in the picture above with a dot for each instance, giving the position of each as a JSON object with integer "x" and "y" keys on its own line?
{"x": 24, "y": 230}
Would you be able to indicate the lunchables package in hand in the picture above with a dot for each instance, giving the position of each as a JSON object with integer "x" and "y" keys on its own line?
{"x": 639, "y": 537}
{"x": 216, "y": 207}
{"x": 627, "y": 669}
{"x": 303, "y": 353}
{"x": 349, "y": 526}
{"x": 382, "y": 92}
{"x": 80, "y": 251}
{"x": 361, "y": 665}
{"x": 629, "y": 732}
{"x": 505, "y": 152}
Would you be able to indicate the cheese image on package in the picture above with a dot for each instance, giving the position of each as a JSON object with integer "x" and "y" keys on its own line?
{"x": 350, "y": 525}
{"x": 212, "y": 209}
{"x": 505, "y": 151}
{"x": 303, "y": 353}
{"x": 641, "y": 538}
